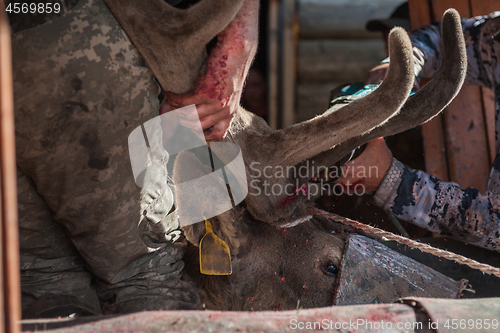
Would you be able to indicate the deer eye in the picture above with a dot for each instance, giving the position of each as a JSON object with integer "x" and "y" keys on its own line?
{"x": 329, "y": 269}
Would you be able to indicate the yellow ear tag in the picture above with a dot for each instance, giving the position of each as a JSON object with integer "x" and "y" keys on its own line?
{"x": 215, "y": 258}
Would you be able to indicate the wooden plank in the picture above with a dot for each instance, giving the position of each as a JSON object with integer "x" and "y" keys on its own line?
{"x": 342, "y": 19}
{"x": 432, "y": 131}
{"x": 338, "y": 60}
{"x": 289, "y": 321}
{"x": 435, "y": 148}
{"x": 272, "y": 62}
{"x": 313, "y": 98}
{"x": 484, "y": 7}
{"x": 289, "y": 56}
{"x": 440, "y": 6}
{"x": 10, "y": 234}
{"x": 489, "y": 117}
{"x": 465, "y": 135}
{"x": 466, "y": 140}
{"x": 420, "y": 13}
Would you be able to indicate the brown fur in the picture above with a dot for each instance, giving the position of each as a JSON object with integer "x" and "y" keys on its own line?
{"x": 328, "y": 137}
{"x": 173, "y": 40}
{"x": 289, "y": 261}
{"x": 273, "y": 268}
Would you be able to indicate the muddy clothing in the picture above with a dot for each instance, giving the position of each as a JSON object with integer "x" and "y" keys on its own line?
{"x": 443, "y": 207}
{"x": 88, "y": 233}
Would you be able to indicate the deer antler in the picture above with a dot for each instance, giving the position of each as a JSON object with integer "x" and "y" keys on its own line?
{"x": 427, "y": 102}
{"x": 338, "y": 125}
{"x": 310, "y": 143}
{"x": 292, "y": 145}
{"x": 173, "y": 40}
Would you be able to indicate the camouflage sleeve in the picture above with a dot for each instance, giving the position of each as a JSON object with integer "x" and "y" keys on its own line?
{"x": 426, "y": 43}
{"x": 443, "y": 207}
{"x": 478, "y": 33}
{"x": 423, "y": 200}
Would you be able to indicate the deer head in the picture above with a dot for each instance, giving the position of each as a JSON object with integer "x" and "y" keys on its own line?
{"x": 325, "y": 139}
{"x": 278, "y": 246}
{"x": 292, "y": 251}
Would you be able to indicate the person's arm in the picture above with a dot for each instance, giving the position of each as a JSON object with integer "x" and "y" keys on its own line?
{"x": 427, "y": 48}
{"x": 218, "y": 89}
{"x": 416, "y": 197}
{"x": 423, "y": 200}
{"x": 426, "y": 44}
{"x": 443, "y": 207}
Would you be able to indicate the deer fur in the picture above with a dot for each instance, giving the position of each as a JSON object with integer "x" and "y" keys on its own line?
{"x": 173, "y": 40}
{"x": 275, "y": 267}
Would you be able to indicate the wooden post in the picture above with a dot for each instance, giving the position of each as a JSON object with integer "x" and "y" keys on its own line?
{"x": 272, "y": 59}
{"x": 483, "y": 7}
{"x": 432, "y": 131}
{"x": 9, "y": 231}
{"x": 288, "y": 54}
{"x": 466, "y": 138}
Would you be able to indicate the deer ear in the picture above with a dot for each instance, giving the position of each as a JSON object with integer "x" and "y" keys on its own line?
{"x": 197, "y": 193}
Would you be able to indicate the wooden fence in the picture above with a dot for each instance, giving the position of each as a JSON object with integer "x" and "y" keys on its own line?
{"x": 459, "y": 144}
{"x": 10, "y": 300}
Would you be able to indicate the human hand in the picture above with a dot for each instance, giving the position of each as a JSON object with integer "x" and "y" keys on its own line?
{"x": 369, "y": 168}
{"x": 377, "y": 74}
{"x": 217, "y": 91}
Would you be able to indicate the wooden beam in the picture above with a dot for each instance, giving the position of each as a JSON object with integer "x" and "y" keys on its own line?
{"x": 440, "y": 6}
{"x": 322, "y": 61}
{"x": 420, "y": 13}
{"x": 432, "y": 131}
{"x": 272, "y": 62}
{"x": 484, "y": 7}
{"x": 289, "y": 56}
{"x": 466, "y": 139}
{"x": 341, "y": 19}
{"x": 488, "y": 99}
{"x": 10, "y": 234}
{"x": 435, "y": 148}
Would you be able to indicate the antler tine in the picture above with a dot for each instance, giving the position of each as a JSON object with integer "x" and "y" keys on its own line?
{"x": 442, "y": 89}
{"x": 337, "y": 126}
{"x": 428, "y": 101}
{"x": 173, "y": 40}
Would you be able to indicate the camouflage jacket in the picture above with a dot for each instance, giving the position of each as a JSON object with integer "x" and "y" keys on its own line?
{"x": 443, "y": 207}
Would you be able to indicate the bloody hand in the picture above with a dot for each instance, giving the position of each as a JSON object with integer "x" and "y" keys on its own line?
{"x": 217, "y": 92}
{"x": 369, "y": 168}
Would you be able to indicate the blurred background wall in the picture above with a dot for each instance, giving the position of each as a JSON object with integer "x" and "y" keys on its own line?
{"x": 307, "y": 48}
{"x": 335, "y": 48}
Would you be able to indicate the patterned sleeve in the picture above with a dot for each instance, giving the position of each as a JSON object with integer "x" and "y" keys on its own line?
{"x": 443, "y": 207}
{"x": 426, "y": 43}
{"x": 478, "y": 33}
